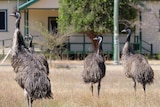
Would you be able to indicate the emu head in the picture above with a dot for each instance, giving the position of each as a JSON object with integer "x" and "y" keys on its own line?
{"x": 29, "y": 39}
{"x": 127, "y": 30}
{"x": 99, "y": 39}
{"x": 127, "y": 50}
{"x": 16, "y": 14}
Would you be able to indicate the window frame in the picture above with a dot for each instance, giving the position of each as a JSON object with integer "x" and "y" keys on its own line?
{"x": 49, "y": 20}
{"x": 5, "y": 18}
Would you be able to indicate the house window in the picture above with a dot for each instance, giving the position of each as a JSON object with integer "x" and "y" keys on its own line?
{"x": 52, "y": 25}
{"x": 3, "y": 20}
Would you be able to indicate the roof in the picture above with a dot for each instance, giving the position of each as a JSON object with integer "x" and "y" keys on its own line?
{"x": 26, "y": 4}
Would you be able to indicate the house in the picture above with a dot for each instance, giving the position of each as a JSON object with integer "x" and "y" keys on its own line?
{"x": 32, "y": 12}
{"x": 46, "y": 12}
{"x": 150, "y": 25}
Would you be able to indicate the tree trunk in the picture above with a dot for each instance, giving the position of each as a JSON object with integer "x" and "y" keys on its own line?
{"x": 94, "y": 43}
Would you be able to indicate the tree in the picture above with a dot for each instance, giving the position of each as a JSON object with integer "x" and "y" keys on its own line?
{"x": 92, "y": 17}
{"x": 52, "y": 43}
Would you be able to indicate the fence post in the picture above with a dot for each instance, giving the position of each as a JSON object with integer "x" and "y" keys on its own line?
{"x": 151, "y": 49}
{"x": 116, "y": 32}
{"x": 113, "y": 45}
{"x": 3, "y": 46}
{"x": 68, "y": 45}
{"x": 84, "y": 45}
{"x": 140, "y": 31}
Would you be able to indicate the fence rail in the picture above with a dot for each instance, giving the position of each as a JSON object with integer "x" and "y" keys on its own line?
{"x": 5, "y": 45}
{"x": 149, "y": 49}
{"x": 83, "y": 46}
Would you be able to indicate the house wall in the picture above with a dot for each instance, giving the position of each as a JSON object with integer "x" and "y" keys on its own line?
{"x": 37, "y": 16}
{"x": 151, "y": 25}
{"x": 10, "y": 6}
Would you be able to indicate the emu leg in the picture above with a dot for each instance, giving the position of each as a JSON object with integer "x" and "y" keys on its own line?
{"x": 30, "y": 102}
{"x": 144, "y": 88}
{"x": 26, "y": 97}
{"x": 134, "y": 86}
{"x": 92, "y": 88}
{"x": 99, "y": 87}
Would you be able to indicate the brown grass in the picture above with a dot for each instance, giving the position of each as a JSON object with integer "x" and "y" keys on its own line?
{"x": 70, "y": 91}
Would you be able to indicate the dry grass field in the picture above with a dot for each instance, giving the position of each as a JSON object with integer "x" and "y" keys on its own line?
{"x": 70, "y": 91}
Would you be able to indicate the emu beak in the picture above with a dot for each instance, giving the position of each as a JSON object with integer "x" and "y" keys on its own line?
{"x": 95, "y": 38}
{"x": 124, "y": 30}
{"x": 12, "y": 14}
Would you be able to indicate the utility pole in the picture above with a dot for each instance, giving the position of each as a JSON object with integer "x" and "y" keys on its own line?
{"x": 116, "y": 32}
{"x": 17, "y": 5}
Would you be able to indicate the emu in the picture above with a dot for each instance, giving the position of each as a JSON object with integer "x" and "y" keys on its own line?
{"x": 29, "y": 71}
{"x": 39, "y": 57}
{"x": 94, "y": 66}
{"x": 136, "y": 66}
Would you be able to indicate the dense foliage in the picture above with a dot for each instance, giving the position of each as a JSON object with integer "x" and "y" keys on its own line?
{"x": 92, "y": 16}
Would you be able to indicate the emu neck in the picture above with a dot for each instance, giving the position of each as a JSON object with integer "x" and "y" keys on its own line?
{"x": 18, "y": 23}
{"x": 31, "y": 47}
{"x": 30, "y": 44}
{"x": 18, "y": 42}
{"x": 15, "y": 43}
{"x": 127, "y": 49}
{"x": 100, "y": 50}
{"x": 128, "y": 36}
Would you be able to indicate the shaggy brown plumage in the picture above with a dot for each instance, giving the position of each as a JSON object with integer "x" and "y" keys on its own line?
{"x": 39, "y": 56}
{"x": 30, "y": 72}
{"x": 136, "y": 66}
{"x": 94, "y": 66}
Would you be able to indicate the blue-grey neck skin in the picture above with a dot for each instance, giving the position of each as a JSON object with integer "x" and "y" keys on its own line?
{"x": 18, "y": 18}
{"x": 17, "y": 23}
{"x": 30, "y": 44}
{"x": 128, "y": 35}
{"x": 18, "y": 37}
{"x": 30, "y": 39}
{"x": 100, "y": 50}
{"x": 127, "y": 48}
